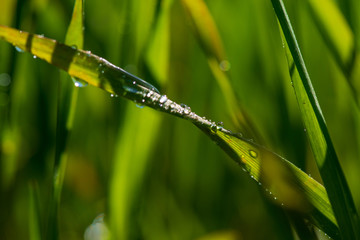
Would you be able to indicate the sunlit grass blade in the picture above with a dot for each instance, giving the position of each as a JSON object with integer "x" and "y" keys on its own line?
{"x": 258, "y": 161}
{"x": 34, "y": 213}
{"x": 321, "y": 144}
{"x": 67, "y": 97}
{"x": 285, "y": 183}
{"x": 340, "y": 39}
{"x": 209, "y": 38}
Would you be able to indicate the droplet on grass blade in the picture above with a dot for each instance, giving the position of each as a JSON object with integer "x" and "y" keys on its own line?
{"x": 163, "y": 99}
{"x": 19, "y": 49}
{"x": 186, "y": 110}
{"x": 97, "y": 230}
{"x": 5, "y": 80}
{"x": 225, "y": 65}
{"x": 253, "y": 153}
{"x": 79, "y": 83}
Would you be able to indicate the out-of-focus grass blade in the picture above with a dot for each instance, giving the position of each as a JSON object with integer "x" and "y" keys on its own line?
{"x": 158, "y": 50}
{"x": 340, "y": 39}
{"x": 34, "y": 213}
{"x": 67, "y": 97}
{"x": 335, "y": 31}
{"x": 138, "y": 135}
{"x": 285, "y": 183}
{"x": 209, "y": 38}
{"x": 321, "y": 144}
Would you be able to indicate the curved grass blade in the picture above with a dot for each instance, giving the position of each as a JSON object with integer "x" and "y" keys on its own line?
{"x": 67, "y": 98}
{"x": 285, "y": 183}
{"x": 340, "y": 39}
{"x": 321, "y": 144}
{"x": 100, "y": 73}
{"x": 209, "y": 38}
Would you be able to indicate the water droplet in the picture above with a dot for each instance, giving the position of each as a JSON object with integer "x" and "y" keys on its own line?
{"x": 253, "y": 153}
{"x": 220, "y": 124}
{"x": 79, "y": 83}
{"x": 304, "y": 129}
{"x": 114, "y": 95}
{"x": 19, "y": 49}
{"x": 5, "y": 80}
{"x": 225, "y": 65}
{"x": 163, "y": 99}
{"x": 213, "y": 128}
{"x": 34, "y": 57}
{"x": 74, "y": 46}
{"x": 186, "y": 110}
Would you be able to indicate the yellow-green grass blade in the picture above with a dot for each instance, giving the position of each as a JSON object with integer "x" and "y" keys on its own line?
{"x": 208, "y": 36}
{"x": 67, "y": 97}
{"x": 85, "y": 65}
{"x": 340, "y": 39}
{"x": 285, "y": 183}
{"x": 320, "y": 141}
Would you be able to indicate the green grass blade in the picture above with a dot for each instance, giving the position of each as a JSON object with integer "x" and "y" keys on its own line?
{"x": 67, "y": 98}
{"x": 208, "y": 36}
{"x": 335, "y": 31}
{"x": 137, "y": 136}
{"x": 321, "y": 144}
{"x": 257, "y": 160}
{"x": 290, "y": 187}
{"x": 34, "y": 213}
{"x": 340, "y": 39}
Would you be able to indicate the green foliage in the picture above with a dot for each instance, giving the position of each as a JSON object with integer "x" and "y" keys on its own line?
{"x": 156, "y": 177}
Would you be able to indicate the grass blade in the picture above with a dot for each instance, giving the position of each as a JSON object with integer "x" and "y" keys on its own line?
{"x": 321, "y": 144}
{"x": 286, "y": 184}
{"x": 208, "y": 36}
{"x": 34, "y": 213}
{"x": 67, "y": 97}
{"x": 340, "y": 39}
{"x": 255, "y": 159}
{"x": 140, "y": 130}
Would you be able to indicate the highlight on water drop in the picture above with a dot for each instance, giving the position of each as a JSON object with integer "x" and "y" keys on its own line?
{"x": 79, "y": 83}
{"x": 19, "y": 49}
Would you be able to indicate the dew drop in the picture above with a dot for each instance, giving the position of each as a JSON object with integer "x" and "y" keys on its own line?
{"x": 34, "y": 57}
{"x": 225, "y": 65}
{"x": 17, "y": 48}
{"x": 186, "y": 110}
{"x": 253, "y": 154}
{"x": 139, "y": 106}
{"x": 213, "y": 128}
{"x": 114, "y": 95}
{"x": 163, "y": 99}
{"x": 79, "y": 83}
{"x": 5, "y": 80}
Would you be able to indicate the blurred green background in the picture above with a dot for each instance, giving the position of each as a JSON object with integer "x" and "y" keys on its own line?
{"x": 156, "y": 176}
